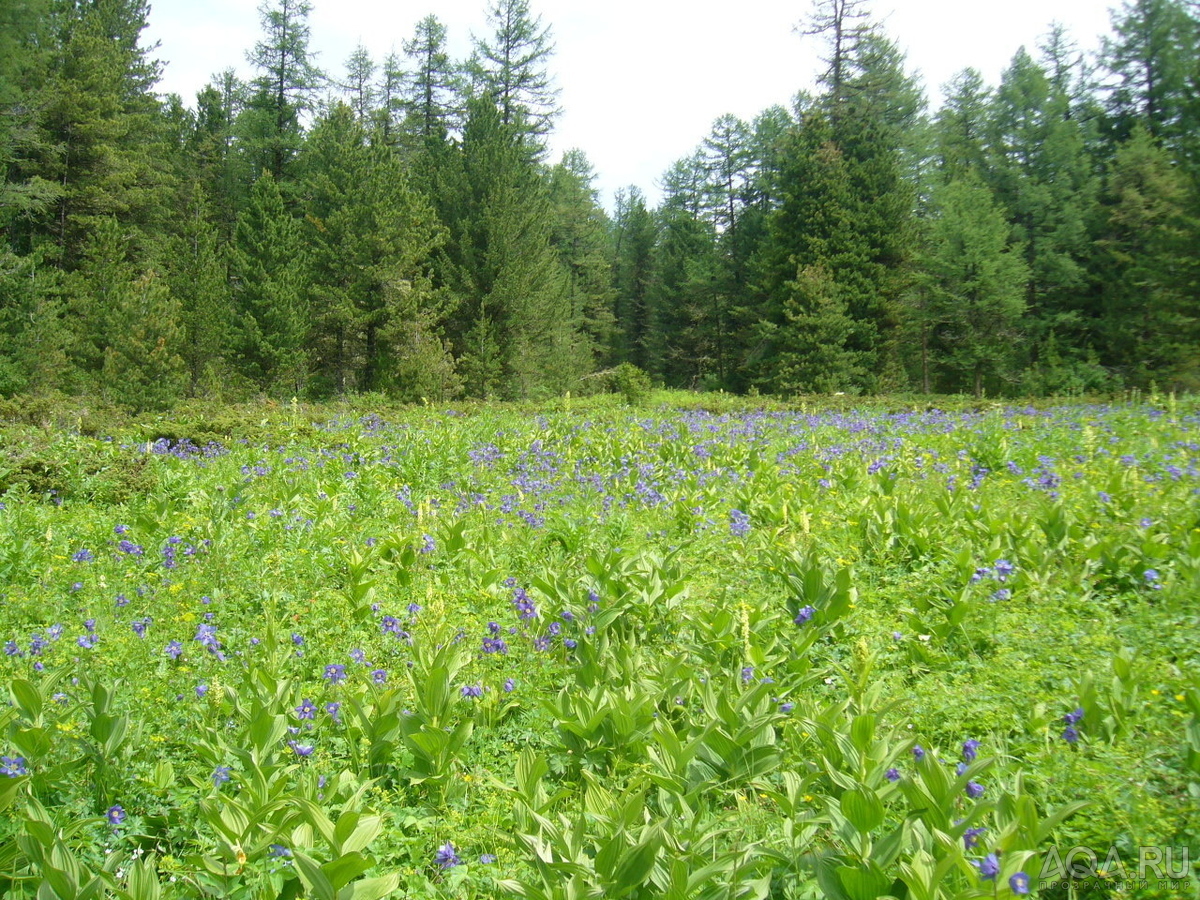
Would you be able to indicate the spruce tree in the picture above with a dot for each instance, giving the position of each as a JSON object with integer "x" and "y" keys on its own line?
{"x": 974, "y": 280}
{"x": 268, "y": 270}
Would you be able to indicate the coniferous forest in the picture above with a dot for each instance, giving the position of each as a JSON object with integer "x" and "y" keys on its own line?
{"x": 397, "y": 226}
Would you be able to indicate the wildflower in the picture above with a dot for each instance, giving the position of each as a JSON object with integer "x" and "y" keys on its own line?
{"x": 83, "y": 554}
{"x": 379, "y": 676}
{"x": 335, "y": 673}
{"x": 87, "y": 641}
{"x": 201, "y": 690}
{"x": 358, "y": 656}
{"x": 526, "y": 609}
{"x": 974, "y": 790}
{"x": 115, "y": 815}
{"x": 786, "y": 707}
{"x": 279, "y": 851}
{"x": 11, "y": 649}
{"x": 429, "y": 544}
{"x": 1019, "y": 883}
{"x": 918, "y": 752}
{"x": 1072, "y": 718}
{"x": 139, "y": 626}
{"x": 970, "y": 749}
{"x": 509, "y": 685}
{"x": 892, "y": 775}
{"x": 804, "y": 615}
{"x": 541, "y": 643}
{"x": 472, "y": 690}
{"x": 221, "y": 774}
{"x": 1003, "y": 568}
{"x": 306, "y": 710}
{"x": 739, "y": 523}
{"x": 174, "y": 650}
{"x": 494, "y": 645}
{"x": 301, "y": 750}
{"x": 13, "y": 766}
{"x": 1152, "y": 579}
{"x": 446, "y": 857}
{"x": 1071, "y": 734}
{"x": 487, "y": 859}
{"x": 989, "y": 866}
{"x": 333, "y": 709}
{"x": 971, "y": 837}
{"x": 297, "y": 639}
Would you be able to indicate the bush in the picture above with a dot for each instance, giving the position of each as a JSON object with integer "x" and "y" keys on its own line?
{"x": 631, "y": 383}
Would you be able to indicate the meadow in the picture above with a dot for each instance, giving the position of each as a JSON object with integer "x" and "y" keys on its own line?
{"x": 684, "y": 650}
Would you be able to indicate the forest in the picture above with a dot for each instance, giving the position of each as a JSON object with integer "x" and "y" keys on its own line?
{"x": 397, "y": 227}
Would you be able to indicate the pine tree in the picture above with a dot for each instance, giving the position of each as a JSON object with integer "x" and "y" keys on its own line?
{"x": 511, "y": 67}
{"x": 430, "y": 94}
{"x": 1042, "y": 175}
{"x": 513, "y": 334}
{"x": 268, "y": 272}
{"x": 975, "y": 284}
{"x": 283, "y": 90}
{"x": 579, "y": 233}
{"x": 1148, "y": 268}
{"x": 1153, "y": 59}
{"x": 369, "y": 238}
{"x": 196, "y": 276}
{"x": 142, "y": 367}
{"x": 101, "y": 118}
{"x": 636, "y": 327}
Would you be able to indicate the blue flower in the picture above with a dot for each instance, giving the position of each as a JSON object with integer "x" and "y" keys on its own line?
{"x": 739, "y": 523}
{"x": 974, "y": 790}
{"x": 1019, "y": 883}
{"x": 892, "y": 775}
{"x": 13, "y": 766}
{"x": 115, "y": 815}
{"x": 306, "y": 710}
{"x": 472, "y": 691}
{"x": 970, "y": 749}
{"x": 446, "y": 857}
{"x": 174, "y": 650}
{"x": 221, "y": 774}
{"x": 335, "y": 673}
{"x": 918, "y": 752}
{"x": 487, "y": 859}
{"x": 971, "y": 837}
{"x": 279, "y": 851}
{"x": 989, "y": 866}
{"x": 379, "y": 676}
{"x": 804, "y": 615}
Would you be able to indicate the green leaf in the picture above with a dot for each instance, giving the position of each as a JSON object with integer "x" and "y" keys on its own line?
{"x": 863, "y": 808}
{"x": 345, "y": 869}
{"x": 370, "y": 888}
{"x": 314, "y": 879}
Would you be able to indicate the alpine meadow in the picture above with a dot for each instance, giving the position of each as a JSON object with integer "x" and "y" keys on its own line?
{"x": 385, "y": 514}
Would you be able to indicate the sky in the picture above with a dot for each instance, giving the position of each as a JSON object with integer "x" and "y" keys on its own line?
{"x": 641, "y": 81}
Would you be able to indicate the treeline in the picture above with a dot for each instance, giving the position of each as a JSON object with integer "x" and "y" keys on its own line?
{"x": 398, "y": 227}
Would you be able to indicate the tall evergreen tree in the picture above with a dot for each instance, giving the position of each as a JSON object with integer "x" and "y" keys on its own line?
{"x": 511, "y": 67}
{"x": 634, "y": 236}
{"x": 1148, "y": 268}
{"x": 369, "y": 236}
{"x": 268, "y": 272}
{"x": 974, "y": 280}
{"x": 513, "y": 335}
{"x": 579, "y": 233}
{"x": 284, "y": 88}
{"x": 104, "y": 125}
{"x": 430, "y": 97}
